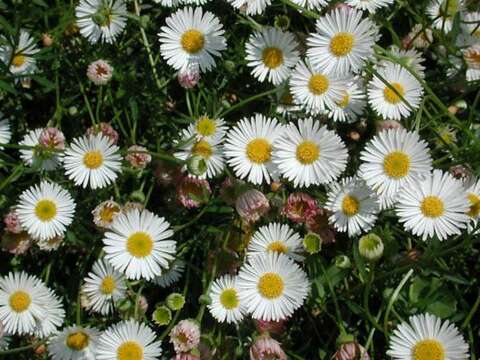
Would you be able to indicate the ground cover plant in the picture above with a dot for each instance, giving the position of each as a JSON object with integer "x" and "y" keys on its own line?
{"x": 239, "y": 179}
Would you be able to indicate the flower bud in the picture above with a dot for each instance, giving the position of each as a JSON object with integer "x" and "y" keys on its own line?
{"x": 162, "y": 316}
{"x": 196, "y": 165}
{"x": 370, "y": 246}
{"x": 312, "y": 243}
{"x": 175, "y": 301}
{"x": 343, "y": 262}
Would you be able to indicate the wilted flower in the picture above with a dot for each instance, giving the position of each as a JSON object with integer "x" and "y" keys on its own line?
{"x": 272, "y": 327}
{"x": 189, "y": 78}
{"x": 12, "y": 223}
{"x": 193, "y": 192}
{"x": 266, "y": 348}
{"x": 418, "y": 37}
{"x": 99, "y": 72}
{"x": 106, "y": 129}
{"x": 185, "y": 336}
{"x": 51, "y": 243}
{"x": 52, "y": 138}
{"x": 16, "y": 244}
{"x": 300, "y": 207}
{"x": 472, "y": 56}
{"x": 370, "y": 246}
{"x": 351, "y": 351}
{"x": 251, "y": 205}
{"x": 105, "y": 213}
{"x": 138, "y": 156}
{"x": 317, "y": 222}
{"x": 461, "y": 172}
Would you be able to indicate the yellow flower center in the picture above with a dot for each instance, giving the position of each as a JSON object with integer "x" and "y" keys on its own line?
{"x": 139, "y": 244}
{"x": 272, "y": 57}
{"x": 277, "y": 246}
{"x": 45, "y": 210}
{"x": 350, "y": 205}
{"x": 108, "y": 212}
{"x": 77, "y": 341}
{"x": 192, "y": 41}
{"x": 270, "y": 285}
{"x": 307, "y": 152}
{"x": 202, "y": 148}
{"x": 396, "y": 164}
{"x": 206, "y": 126}
{"x": 432, "y": 206}
{"x": 93, "y": 159}
{"x": 318, "y": 84}
{"x": 342, "y": 44}
{"x": 130, "y": 350}
{"x": 229, "y": 299}
{"x": 428, "y": 350}
{"x": 390, "y": 95}
{"x": 19, "y": 301}
{"x": 474, "y": 210}
{"x": 343, "y": 103}
{"x": 108, "y": 285}
{"x": 18, "y": 60}
{"x": 259, "y": 151}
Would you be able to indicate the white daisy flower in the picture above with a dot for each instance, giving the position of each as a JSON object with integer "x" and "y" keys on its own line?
{"x": 5, "y": 132}
{"x": 138, "y": 244}
{"x": 251, "y": 7}
{"x": 312, "y": 4}
{"x": 442, "y": 13}
{"x": 103, "y": 287}
{"x": 393, "y": 158}
{"x": 354, "y": 206}
{"x": 314, "y": 90}
{"x": 171, "y": 275}
{"x": 19, "y": 55}
{"x": 101, "y": 20}
{"x": 209, "y": 149}
{"x": 92, "y": 161}
{"x": 167, "y": 3}
{"x": 473, "y": 194}
{"x": 472, "y": 58}
{"x": 279, "y": 238}
{"x": 128, "y": 340}
{"x": 226, "y": 304}
{"x": 45, "y": 210}
{"x": 22, "y": 302}
{"x": 272, "y": 286}
{"x": 194, "y": 2}
{"x": 426, "y": 337}
{"x": 309, "y": 154}
{"x": 351, "y": 105}
{"x": 343, "y": 42}
{"x": 105, "y": 212}
{"x": 385, "y": 101}
{"x": 192, "y": 38}
{"x": 205, "y": 127}
{"x": 272, "y": 54}
{"x": 27, "y": 306}
{"x": 37, "y": 156}
{"x": 436, "y": 205}
{"x": 248, "y": 148}
{"x": 369, "y": 5}
{"x": 412, "y": 57}
{"x": 74, "y": 343}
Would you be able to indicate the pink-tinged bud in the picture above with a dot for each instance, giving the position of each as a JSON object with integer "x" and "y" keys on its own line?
{"x": 47, "y": 40}
{"x": 106, "y": 129}
{"x": 99, "y": 72}
{"x": 252, "y": 205}
{"x": 12, "y": 222}
{"x": 351, "y": 351}
{"x": 272, "y": 327}
{"x": 142, "y": 304}
{"x": 192, "y": 192}
{"x": 52, "y": 138}
{"x": 189, "y": 78}
{"x": 299, "y": 207}
{"x": 461, "y": 172}
{"x": 185, "y": 336}
{"x": 138, "y": 156}
{"x": 266, "y": 348}
{"x": 388, "y": 124}
{"x": 16, "y": 244}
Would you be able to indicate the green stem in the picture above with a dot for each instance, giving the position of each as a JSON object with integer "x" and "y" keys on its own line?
{"x": 21, "y": 349}
{"x": 334, "y": 298}
{"x": 393, "y": 298}
{"x": 472, "y": 312}
{"x": 246, "y": 101}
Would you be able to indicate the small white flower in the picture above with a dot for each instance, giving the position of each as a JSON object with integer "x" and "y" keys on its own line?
{"x": 74, "y": 343}
{"x": 226, "y": 304}
{"x": 19, "y": 55}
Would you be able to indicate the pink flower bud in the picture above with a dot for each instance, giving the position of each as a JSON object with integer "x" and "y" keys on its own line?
{"x": 185, "y": 336}
{"x": 12, "y": 222}
{"x": 138, "y": 156}
{"x": 299, "y": 207}
{"x": 351, "y": 351}
{"x": 193, "y": 192}
{"x": 252, "y": 205}
{"x": 106, "y": 129}
{"x": 52, "y": 138}
{"x": 189, "y": 78}
{"x": 99, "y": 72}
{"x": 266, "y": 348}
